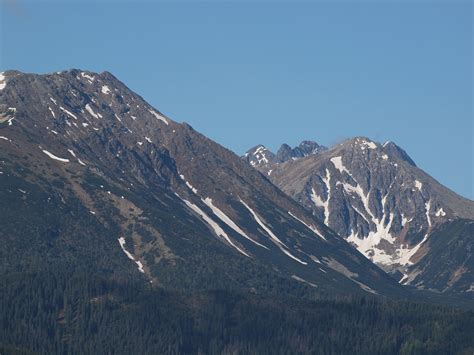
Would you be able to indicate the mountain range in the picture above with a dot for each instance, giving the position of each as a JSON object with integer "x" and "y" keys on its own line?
{"x": 93, "y": 176}
{"x": 376, "y": 197}
{"x": 124, "y": 231}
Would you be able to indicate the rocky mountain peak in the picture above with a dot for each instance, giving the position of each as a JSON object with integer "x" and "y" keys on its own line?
{"x": 376, "y": 197}
{"x": 262, "y": 158}
{"x": 259, "y": 156}
{"x": 305, "y": 148}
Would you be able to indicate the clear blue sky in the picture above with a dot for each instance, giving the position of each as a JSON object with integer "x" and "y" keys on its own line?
{"x": 270, "y": 72}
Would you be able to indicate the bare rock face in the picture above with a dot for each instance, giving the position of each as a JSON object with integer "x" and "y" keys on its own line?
{"x": 376, "y": 197}
{"x": 92, "y": 176}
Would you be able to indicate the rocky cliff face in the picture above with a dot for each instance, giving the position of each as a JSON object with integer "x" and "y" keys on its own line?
{"x": 93, "y": 176}
{"x": 376, "y": 197}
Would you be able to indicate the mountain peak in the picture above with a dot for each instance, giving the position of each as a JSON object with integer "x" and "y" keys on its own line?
{"x": 284, "y": 153}
{"x": 389, "y": 148}
{"x": 394, "y": 150}
{"x": 259, "y": 156}
{"x": 304, "y": 149}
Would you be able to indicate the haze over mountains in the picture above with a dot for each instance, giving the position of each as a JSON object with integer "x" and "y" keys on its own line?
{"x": 376, "y": 197}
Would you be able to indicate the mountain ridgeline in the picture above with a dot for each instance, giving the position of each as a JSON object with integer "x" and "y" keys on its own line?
{"x": 376, "y": 197}
{"x": 124, "y": 232}
{"x": 94, "y": 175}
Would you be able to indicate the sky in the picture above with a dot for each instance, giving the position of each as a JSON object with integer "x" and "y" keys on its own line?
{"x": 271, "y": 72}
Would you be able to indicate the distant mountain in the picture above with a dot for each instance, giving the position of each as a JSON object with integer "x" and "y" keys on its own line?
{"x": 263, "y": 159}
{"x": 94, "y": 178}
{"x": 376, "y": 197}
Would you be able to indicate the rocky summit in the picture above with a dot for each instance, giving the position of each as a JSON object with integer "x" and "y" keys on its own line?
{"x": 394, "y": 213}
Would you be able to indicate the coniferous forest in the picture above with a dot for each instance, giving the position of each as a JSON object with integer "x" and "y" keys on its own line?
{"x": 64, "y": 313}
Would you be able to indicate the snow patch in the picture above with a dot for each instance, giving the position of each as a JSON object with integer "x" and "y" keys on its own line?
{"x": 418, "y": 185}
{"x": 158, "y": 116}
{"x": 259, "y": 154}
{"x": 224, "y": 218}
{"x": 3, "y": 82}
{"x": 52, "y": 156}
{"x": 121, "y": 241}
{"x": 406, "y": 253}
{"x": 337, "y": 161}
{"x": 188, "y": 184}
{"x": 367, "y": 144}
{"x": 72, "y": 153}
{"x": 88, "y": 77}
{"x": 216, "y": 228}
{"x": 318, "y": 201}
{"x": 275, "y": 239}
{"x": 440, "y": 213}
{"x": 368, "y": 245}
{"x": 52, "y": 112}
{"x": 68, "y": 112}
{"x": 105, "y": 90}
{"x": 91, "y": 111}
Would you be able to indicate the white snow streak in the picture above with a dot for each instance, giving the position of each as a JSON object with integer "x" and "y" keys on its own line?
{"x": 310, "y": 227}
{"x": 158, "y": 116}
{"x": 3, "y": 82}
{"x": 68, "y": 112}
{"x": 277, "y": 241}
{"x": 406, "y": 253}
{"x": 319, "y": 202}
{"x": 91, "y": 111}
{"x": 368, "y": 245}
{"x": 52, "y": 112}
{"x": 188, "y": 184}
{"x": 72, "y": 153}
{"x": 121, "y": 241}
{"x": 224, "y": 218}
{"x": 217, "y": 229}
{"x": 337, "y": 161}
{"x": 52, "y": 156}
